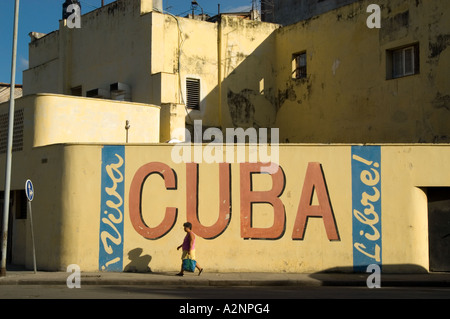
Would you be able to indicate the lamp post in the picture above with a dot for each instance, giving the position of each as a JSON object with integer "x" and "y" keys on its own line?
{"x": 194, "y": 5}
{"x": 9, "y": 145}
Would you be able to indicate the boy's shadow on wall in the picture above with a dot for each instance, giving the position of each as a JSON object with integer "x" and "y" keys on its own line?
{"x": 138, "y": 263}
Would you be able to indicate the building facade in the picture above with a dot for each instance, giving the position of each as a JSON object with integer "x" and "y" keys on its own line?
{"x": 367, "y": 85}
{"x": 361, "y": 84}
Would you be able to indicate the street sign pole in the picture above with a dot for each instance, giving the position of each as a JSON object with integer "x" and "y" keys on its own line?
{"x": 29, "y": 191}
{"x": 9, "y": 146}
{"x": 32, "y": 236}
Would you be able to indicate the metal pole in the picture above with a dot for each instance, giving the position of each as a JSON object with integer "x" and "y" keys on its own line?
{"x": 127, "y": 127}
{"x": 9, "y": 146}
{"x": 32, "y": 236}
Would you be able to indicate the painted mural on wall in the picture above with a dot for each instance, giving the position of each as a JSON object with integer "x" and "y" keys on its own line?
{"x": 314, "y": 181}
{"x": 366, "y": 203}
{"x": 112, "y": 209}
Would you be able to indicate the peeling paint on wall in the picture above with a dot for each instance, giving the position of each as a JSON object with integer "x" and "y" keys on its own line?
{"x": 250, "y": 108}
{"x": 439, "y": 45}
{"x": 442, "y": 101}
{"x": 395, "y": 27}
{"x": 241, "y": 110}
{"x": 287, "y": 94}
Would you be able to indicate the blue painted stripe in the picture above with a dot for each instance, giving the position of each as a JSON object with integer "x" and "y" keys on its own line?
{"x": 366, "y": 207}
{"x": 112, "y": 208}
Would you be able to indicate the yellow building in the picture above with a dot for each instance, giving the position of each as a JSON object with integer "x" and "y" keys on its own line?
{"x": 327, "y": 207}
{"x": 366, "y": 85}
{"x": 241, "y": 73}
{"x": 111, "y": 195}
{"x": 168, "y": 60}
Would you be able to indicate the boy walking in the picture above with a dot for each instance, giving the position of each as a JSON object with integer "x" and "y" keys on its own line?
{"x": 188, "y": 247}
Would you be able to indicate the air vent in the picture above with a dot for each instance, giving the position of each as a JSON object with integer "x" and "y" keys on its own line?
{"x": 120, "y": 92}
{"x": 98, "y": 93}
{"x": 193, "y": 93}
{"x": 17, "y": 131}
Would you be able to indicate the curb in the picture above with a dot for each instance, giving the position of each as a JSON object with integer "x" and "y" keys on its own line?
{"x": 226, "y": 280}
{"x": 180, "y": 282}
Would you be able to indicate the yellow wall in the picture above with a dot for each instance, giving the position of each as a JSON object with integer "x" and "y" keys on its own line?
{"x": 52, "y": 119}
{"x": 156, "y": 60}
{"x": 347, "y": 96}
{"x": 44, "y": 166}
{"x": 98, "y": 54}
{"x": 248, "y": 88}
{"x": 69, "y": 194}
{"x": 236, "y": 51}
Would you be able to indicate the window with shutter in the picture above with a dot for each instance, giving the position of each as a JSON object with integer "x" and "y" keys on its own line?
{"x": 193, "y": 93}
{"x": 403, "y": 61}
{"x": 299, "y": 65}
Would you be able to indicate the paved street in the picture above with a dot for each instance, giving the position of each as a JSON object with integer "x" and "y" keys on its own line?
{"x": 258, "y": 293}
{"x": 229, "y": 294}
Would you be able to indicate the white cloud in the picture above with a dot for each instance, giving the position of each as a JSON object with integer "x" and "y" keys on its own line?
{"x": 23, "y": 63}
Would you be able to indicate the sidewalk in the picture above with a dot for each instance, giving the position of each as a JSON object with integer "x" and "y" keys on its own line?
{"x": 27, "y": 277}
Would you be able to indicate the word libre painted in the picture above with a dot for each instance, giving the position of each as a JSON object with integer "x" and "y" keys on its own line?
{"x": 366, "y": 200}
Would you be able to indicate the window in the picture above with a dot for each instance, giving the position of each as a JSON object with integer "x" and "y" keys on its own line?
{"x": 193, "y": 93}
{"x": 299, "y": 65}
{"x": 403, "y": 61}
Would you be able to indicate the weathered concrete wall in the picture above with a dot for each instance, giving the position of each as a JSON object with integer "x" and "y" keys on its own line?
{"x": 245, "y": 69}
{"x": 340, "y": 207}
{"x": 98, "y": 54}
{"x": 287, "y": 12}
{"x": 238, "y": 52}
{"x": 348, "y": 95}
{"x": 248, "y": 73}
{"x": 52, "y": 119}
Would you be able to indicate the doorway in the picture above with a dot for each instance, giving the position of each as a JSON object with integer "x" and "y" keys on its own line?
{"x": 16, "y": 235}
{"x": 439, "y": 228}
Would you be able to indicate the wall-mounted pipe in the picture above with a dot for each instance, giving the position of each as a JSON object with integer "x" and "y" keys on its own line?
{"x": 219, "y": 64}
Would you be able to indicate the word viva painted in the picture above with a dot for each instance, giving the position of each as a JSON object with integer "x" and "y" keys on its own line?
{"x": 112, "y": 208}
{"x": 314, "y": 183}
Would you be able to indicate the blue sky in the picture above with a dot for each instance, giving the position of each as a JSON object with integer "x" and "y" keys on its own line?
{"x": 43, "y": 16}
